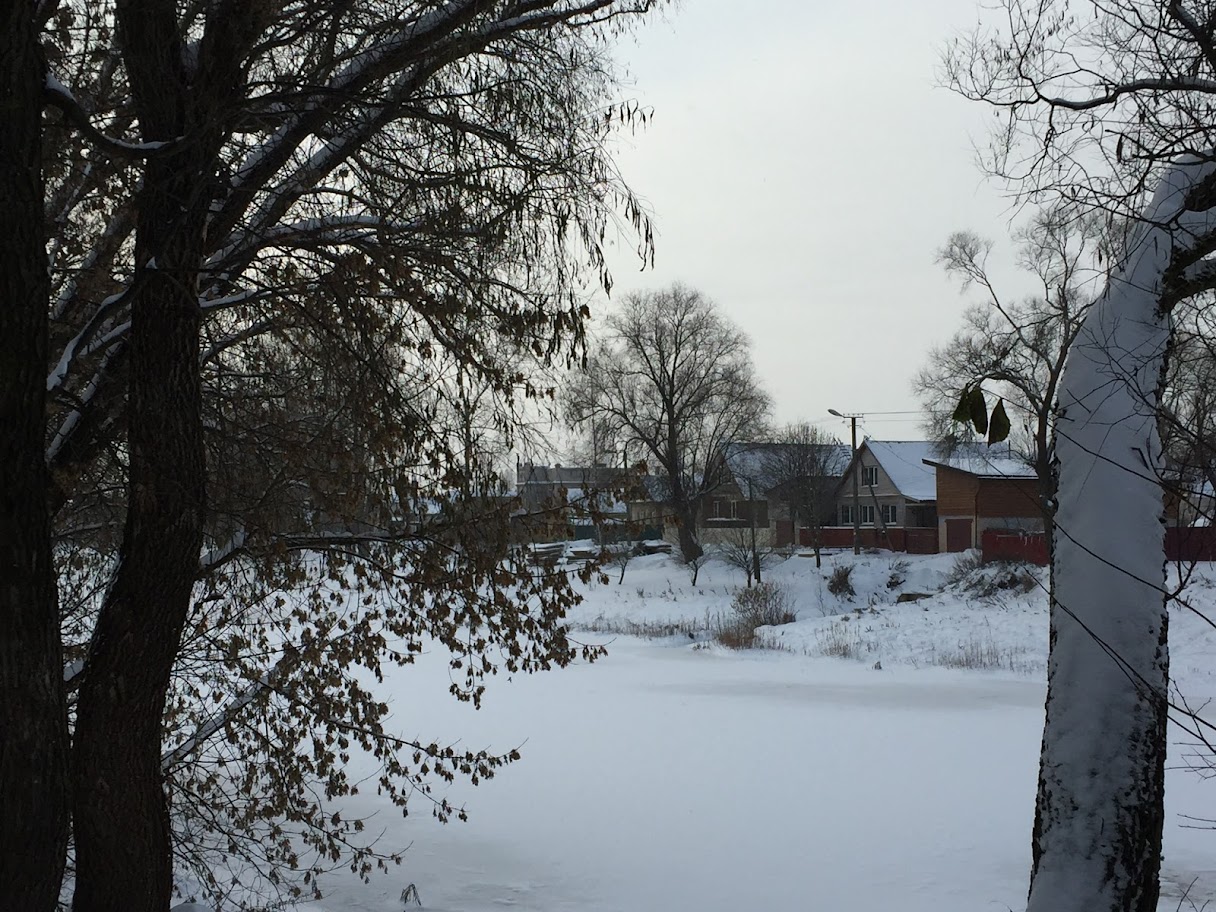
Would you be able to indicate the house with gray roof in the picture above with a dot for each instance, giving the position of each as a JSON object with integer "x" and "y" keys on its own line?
{"x": 563, "y": 502}
{"x": 896, "y": 503}
{"x": 766, "y": 481}
{"x": 753, "y": 484}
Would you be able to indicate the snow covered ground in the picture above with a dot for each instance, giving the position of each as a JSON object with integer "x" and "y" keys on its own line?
{"x": 675, "y": 774}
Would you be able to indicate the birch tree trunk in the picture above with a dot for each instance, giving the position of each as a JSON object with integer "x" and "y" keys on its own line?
{"x": 1099, "y": 814}
{"x": 33, "y": 720}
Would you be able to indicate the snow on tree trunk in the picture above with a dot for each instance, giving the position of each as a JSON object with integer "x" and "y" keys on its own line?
{"x": 1099, "y": 815}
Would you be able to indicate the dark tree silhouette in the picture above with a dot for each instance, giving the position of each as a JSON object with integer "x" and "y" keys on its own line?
{"x": 674, "y": 380}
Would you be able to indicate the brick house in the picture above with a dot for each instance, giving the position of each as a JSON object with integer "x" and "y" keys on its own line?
{"x": 978, "y": 491}
{"x": 897, "y": 498}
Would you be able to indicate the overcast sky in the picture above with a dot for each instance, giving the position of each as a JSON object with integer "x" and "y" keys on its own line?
{"x": 803, "y": 166}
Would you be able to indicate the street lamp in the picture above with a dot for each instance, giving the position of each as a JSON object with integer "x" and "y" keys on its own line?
{"x": 856, "y": 495}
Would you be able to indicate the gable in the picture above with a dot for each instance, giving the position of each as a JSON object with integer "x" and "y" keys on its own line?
{"x": 902, "y": 467}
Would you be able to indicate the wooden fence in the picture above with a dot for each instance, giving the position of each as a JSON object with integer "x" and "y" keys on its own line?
{"x": 1182, "y": 543}
{"x": 911, "y": 540}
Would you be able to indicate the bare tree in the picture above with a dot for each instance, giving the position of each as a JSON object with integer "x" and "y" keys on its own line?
{"x": 674, "y": 379}
{"x": 1106, "y": 109}
{"x": 619, "y": 555}
{"x": 803, "y": 466}
{"x": 741, "y": 548}
{"x": 1016, "y": 349}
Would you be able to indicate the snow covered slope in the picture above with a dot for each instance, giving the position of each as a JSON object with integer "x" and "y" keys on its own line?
{"x": 678, "y": 775}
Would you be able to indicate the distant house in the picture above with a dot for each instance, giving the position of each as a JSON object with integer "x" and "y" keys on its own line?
{"x": 980, "y": 490}
{"x": 650, "y": 508}
{"x": 896, "y": 504}
{"x": 752, "y": 488}
{"x": 726, "y": 508}
{"x": 566, "y": 501}
{"x": 759, "y": 481}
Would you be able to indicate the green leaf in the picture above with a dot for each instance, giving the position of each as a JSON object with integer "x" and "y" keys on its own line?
{"x": 998, "y": 427}
{"x": 979, "y": 411}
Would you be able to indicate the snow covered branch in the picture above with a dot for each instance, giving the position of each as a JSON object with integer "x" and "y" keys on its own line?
{"x": 60, "y": 97}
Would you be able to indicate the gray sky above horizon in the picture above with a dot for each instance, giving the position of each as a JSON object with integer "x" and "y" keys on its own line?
{"x": 803, "y": 166}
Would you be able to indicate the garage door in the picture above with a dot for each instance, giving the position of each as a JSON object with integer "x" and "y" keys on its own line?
{"x": 958, "y": 534}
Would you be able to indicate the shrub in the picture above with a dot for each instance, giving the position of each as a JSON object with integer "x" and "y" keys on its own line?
{"x": 964, "y": 566}
{"x": 899, "y": 573}
{"x": 840, "y": 581}
{"x": 763, "y": 605}
{"x": 972, "y": 575}
{"x": 766, "y": 603}
{"x": 733, "y": 635}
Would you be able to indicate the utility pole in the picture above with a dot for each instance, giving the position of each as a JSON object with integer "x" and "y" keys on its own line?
{"x": 856, "y": 494}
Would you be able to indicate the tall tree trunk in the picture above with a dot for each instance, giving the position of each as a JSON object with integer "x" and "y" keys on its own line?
{"x": 1045, "y": 471}
{"x": 33, "y": 718}
{"x": 121, "y": 815}
{"x": 120, "y": 811}
{"x": 755, "y": 544}
{"x": 684, "y": 507}
{"x": 1099, "y": 814}
{"x": 686, "y": 519}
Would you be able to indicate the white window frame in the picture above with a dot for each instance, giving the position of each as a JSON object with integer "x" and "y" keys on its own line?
{"x": 869, "y": 476}
{"x": 867, "y": 510}
{"x": 890, "y": 515}
{"x": 846, "y": 514}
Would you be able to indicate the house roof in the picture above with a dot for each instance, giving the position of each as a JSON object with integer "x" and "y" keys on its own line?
{"x": 657, "y": 488}
{"x": 760, "y": 463}
{"x": 603, "y": 501}
{"x": 585, "y": 487}
{"x": 984, "y": 463}
{"x": 527, "y": 473}
{"x": 904, "y": 463}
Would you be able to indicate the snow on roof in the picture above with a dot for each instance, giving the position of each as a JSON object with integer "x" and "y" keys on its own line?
{"x": 603, "y": 501}
{"x": 584, "y": 476}
{"x": 761, "y": 463}
{"x": 657, "y": 488}
{"x": 904, "y": 463}
{"x": 998, "y": 462}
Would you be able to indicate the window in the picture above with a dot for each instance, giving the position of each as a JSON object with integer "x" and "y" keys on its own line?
{"x": 846, "y": 515}
{"x": 890, "y": 515}
{"x": 869, "y": 476}
{"x": 867, "y": 514}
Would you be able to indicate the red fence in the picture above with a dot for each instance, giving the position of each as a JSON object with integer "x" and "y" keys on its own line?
{"x": 913, "y": 541}
{"x": 1028, "y": 547}
{"x": 1190, "y": 543}
{"x": 1182, "y": 543}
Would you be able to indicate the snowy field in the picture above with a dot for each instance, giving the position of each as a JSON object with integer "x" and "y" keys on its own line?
{"x": 678, "y": 775}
